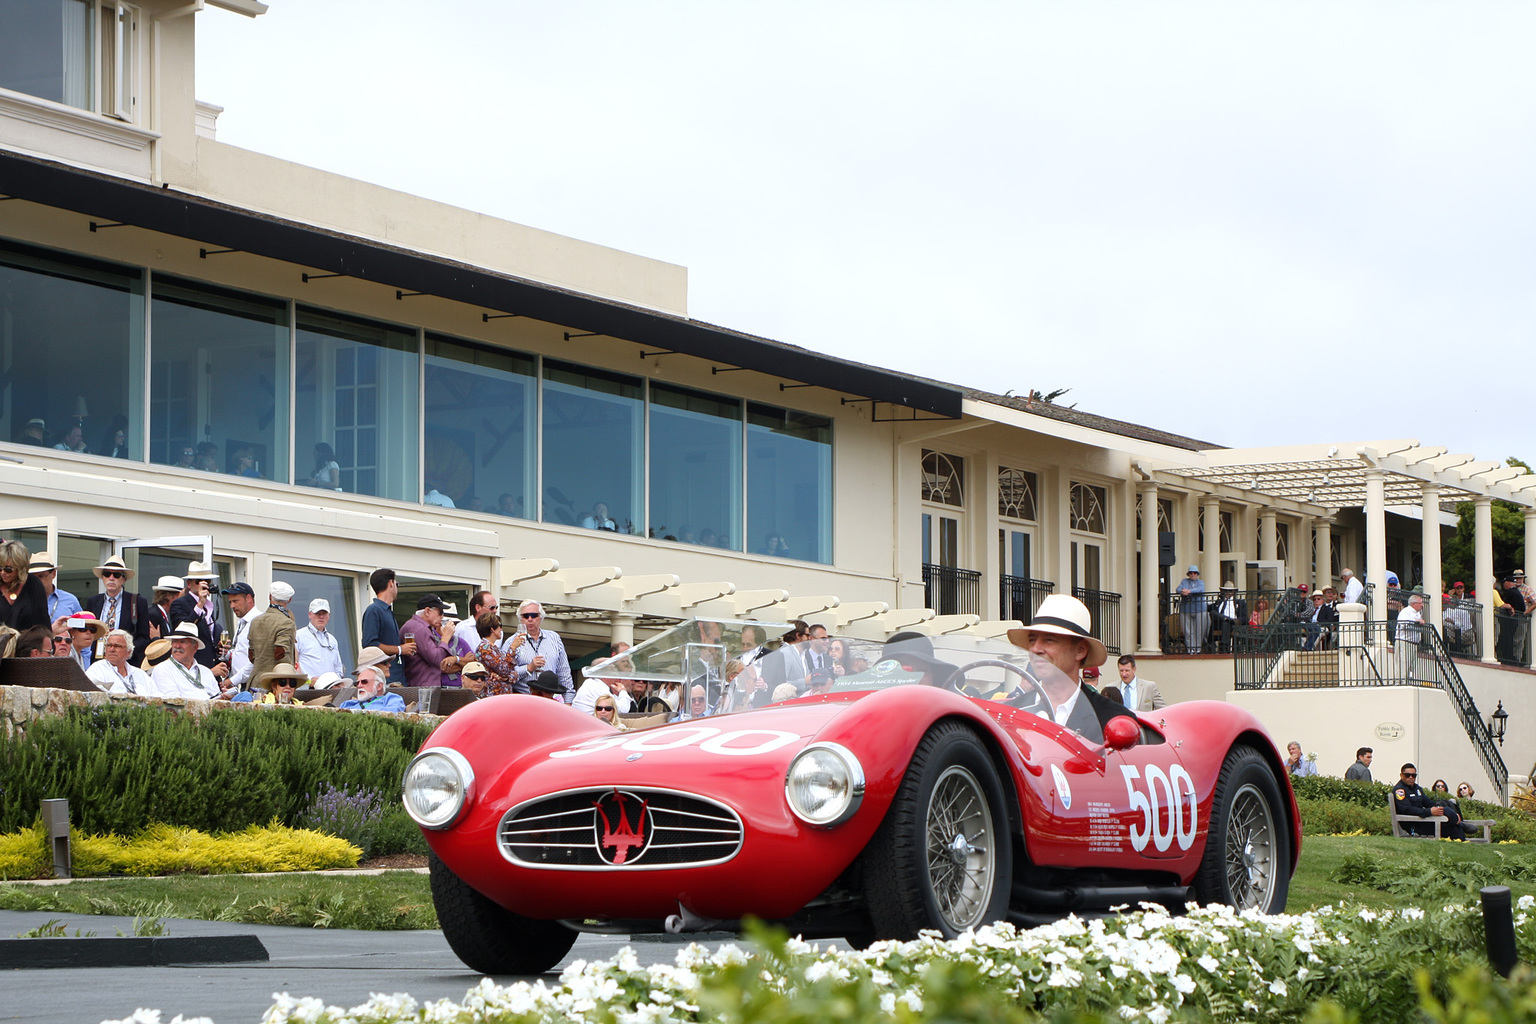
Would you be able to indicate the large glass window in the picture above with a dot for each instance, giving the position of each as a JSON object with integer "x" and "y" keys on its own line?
{"x": 594, "y": 437}
{"x": 339, "y": 591}
{"x": 71, "y": 352}
{"x": 480, "y": 426}
{"x": 695, "y": 467}
{"x": 356, "y": 425}
{"x": 789, "y": 483}
{"x": 218, "y": 380}
{"x": 51, "y": 49}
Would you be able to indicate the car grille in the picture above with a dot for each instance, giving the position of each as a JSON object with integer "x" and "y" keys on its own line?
{"x": 595, "y": 829}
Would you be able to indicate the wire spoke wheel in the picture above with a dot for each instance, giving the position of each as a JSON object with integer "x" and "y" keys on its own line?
{"x": 1247, "y": 859}
{"x": 960, "y": 841}
{"x": 1250, "y": 853}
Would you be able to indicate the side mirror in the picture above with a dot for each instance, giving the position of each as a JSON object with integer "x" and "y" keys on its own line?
{"x": 1122, "y": 732}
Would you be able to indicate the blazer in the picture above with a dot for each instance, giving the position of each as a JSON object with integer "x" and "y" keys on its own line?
{"x": 134, "y": 614}
{"x": 1148, "y": 696}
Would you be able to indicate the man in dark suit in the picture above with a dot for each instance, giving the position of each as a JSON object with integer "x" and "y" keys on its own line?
{"x": 197, "y": 606}
{"x": 1059, "y": 636}
{"x": 118, "y": 607}
{"x": 1227, "y": 614}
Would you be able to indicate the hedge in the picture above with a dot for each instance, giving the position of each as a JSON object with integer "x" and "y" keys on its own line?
{"x": 1330, "y": 806}
{"x": 165, "y": 850}
{"x": 125, "y": 767}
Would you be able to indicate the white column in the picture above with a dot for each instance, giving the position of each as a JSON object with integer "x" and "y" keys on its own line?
{"x": 1431, "y": 542}
{"x": 1269, "y": 546}
{"x": 1376, "y": 541}
{"x": 621, "y": 629}
{"x": 1149, "y": 568}
{"x": 1323, "y": 553}
{"x": 1530, "y": 546}
{"x": 1482, "y": 562}
{"x": 1210, "y": 557}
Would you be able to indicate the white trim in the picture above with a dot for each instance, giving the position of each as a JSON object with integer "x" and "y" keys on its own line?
{"x": 249, "y": 8}
{"x": 84, "y": 123}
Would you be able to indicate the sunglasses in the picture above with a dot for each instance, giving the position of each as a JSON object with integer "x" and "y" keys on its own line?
{"x": 286, "y": 682}
{"x": 1410, "y": 775}
{"x": 7, "y": 568}
{"x": 601, "y": 707}
{"x": 112, "y": 574}
{"x": 533, "y": 615}
{"x": 61, "y": 640}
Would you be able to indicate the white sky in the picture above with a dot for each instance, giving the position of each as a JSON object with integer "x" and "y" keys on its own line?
{"x": 1255, "y": 223}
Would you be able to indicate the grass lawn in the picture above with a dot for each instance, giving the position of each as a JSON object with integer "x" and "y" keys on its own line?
{"x": 402, "y": 900}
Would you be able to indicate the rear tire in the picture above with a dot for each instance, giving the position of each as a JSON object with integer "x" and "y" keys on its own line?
{"x": 1247, "y": 862}
{"x": 488, "y": 937}
{"x": 942, "y": 859}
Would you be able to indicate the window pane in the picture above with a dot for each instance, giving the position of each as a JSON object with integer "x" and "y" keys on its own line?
{"x": 339, "y": 591}
{"x": 593, "y": 445}
{"x": 370, "y": 370}
{"x": 72, "y": 334}
{"x": 218, "y": 380}
{"x": 695, "y": 467}
{"x": 789, "y": 483}
{"x": 45, "y": 50}
{"x": 480, "y": 426}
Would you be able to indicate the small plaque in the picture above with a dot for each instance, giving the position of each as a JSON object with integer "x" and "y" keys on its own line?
{"x": 1389, "y": 731}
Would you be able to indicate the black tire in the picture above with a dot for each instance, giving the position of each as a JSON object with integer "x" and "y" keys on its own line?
{"x": 943, "y": 858}
{"x": 1247, "y": 862}
{"x": 488, "y": 937}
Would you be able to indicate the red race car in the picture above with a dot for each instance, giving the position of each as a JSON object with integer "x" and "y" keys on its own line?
{"x": 841, "y": 787}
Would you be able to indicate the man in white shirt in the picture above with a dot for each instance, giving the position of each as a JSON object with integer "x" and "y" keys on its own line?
{"x": 1354, "y": 590}
{"x": 1410, "y": 622}
{"x": 180, "y": 675}
{"x": 483, "y": 601}
{"x": 1137, "y": 693}
{"x": 242, "y": 601}
{"x": 112, "y": 672}
{"x": 593, "y": 687}
{"x": 319, "y": 650}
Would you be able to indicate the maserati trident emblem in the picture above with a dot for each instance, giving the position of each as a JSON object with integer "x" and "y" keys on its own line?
{"x": 623, "y": 827}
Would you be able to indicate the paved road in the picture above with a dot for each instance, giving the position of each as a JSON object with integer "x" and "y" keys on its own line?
{"x": 341, "y": 967}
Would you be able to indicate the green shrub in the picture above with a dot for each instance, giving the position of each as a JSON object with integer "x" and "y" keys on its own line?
{"x": 1432, "y": 872}
{"x": 124, "y": 767}
{"x": 1319, "y": 798}
{"x": 1341, "y": 817}
{"x": 397, "y": 833}
{"x": 25, "y": 854}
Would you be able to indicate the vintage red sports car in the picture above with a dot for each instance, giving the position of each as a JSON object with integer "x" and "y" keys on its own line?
{"x": 893, "y": 794}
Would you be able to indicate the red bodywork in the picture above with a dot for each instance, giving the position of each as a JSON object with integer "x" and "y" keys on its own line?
{"x": 1076, "y": 805}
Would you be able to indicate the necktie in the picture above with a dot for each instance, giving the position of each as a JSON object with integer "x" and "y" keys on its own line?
{"x": 112, "y": 613}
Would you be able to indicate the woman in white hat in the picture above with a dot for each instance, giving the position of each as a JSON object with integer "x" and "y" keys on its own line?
{"x": 1061, "y": 636}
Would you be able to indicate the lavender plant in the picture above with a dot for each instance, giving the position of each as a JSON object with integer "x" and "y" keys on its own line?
{"x": 350, "y": 814}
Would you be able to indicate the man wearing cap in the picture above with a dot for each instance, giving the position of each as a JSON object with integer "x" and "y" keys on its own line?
{"x": 432, "y": 659}
{"x": 112, "y": 672}
{"x": 1192, "y": 610}
{"x": 1060, "y": 635}
{"x": 1354, "y": 590}
{"x": 371, "y": 685}
{"x": 319, "y": 650}
{"x": 197, "y": 606}
{"x": 84, "y": 630}
{"x": 61, "y": 603}
{"x": 118, "y": 607}
{"x": 242, "y": 601}
{"x": 272, "y": 632}
{"x": 181, "y": 675}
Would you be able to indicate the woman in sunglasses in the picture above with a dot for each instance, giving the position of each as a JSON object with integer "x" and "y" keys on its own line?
{"x": 23, "y": 599}
{"x": 607, "y": 712}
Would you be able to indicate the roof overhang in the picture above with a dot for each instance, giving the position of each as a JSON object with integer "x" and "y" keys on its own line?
{"x": 1334, "y": 475}
{"x": 249, "y": 8}
{"x": 203, "y": 220}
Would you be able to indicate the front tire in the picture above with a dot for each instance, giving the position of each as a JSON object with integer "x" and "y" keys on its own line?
{"x": 1247, "y": 862}
{"x": 488, "y": 937}
{"x": 942, "y": 859}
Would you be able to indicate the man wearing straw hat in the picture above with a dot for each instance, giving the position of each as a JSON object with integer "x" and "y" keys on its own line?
{"x": 197, "y": 606}
{"x": 117, "y": 607}
{"x": 1060, "y": 635}
{"x": 61, "y": 603}
{"x": 181, "y": 675}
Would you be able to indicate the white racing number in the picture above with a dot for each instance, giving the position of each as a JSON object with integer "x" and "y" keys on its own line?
{"x": 1163, "y": 790}
{"x": 739, "y": 743}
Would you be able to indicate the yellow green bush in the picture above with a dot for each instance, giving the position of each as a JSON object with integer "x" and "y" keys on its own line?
{"x": 168, "y": 849}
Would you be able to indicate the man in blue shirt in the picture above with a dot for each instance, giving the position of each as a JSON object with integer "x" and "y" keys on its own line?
{"x": 1192, "y": 610}
{"x": 379, "y": 627}
{"x": 61, "y": 603}
{"x": 370, "y": 691}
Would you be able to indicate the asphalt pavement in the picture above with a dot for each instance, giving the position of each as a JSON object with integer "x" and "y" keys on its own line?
{"x": 343, "y": 968}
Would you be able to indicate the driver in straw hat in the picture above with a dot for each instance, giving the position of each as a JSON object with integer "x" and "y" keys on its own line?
{"x": 1060, "y": 634}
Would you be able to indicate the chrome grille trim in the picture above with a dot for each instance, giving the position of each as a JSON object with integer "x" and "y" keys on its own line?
{"x": 560, "y": 831}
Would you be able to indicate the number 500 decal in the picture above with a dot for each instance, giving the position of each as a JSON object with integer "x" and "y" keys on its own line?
{"x": 1174, "y": 784}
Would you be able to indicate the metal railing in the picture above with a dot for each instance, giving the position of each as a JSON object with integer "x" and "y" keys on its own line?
{"x": 1463, "y": 629}
{"x": 1021, "y": 597}
{"x": 1340, "y": 654}
{"x": 1103, "y": 615}
{"x": 1183, "y": 624}
{"x": 951, "y": 591}
{"x": 1512, "y": 639}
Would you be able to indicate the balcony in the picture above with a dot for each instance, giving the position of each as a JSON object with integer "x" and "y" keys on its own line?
{"x": 951, "y": 591}
{"x": 1103, "y": 615}
{"x": 1021, "y": 597}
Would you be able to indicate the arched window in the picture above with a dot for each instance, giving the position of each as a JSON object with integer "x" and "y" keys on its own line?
{"x": 1016, "y": 490}
{"x": 943, "y": 479}
{"x": 1089, "y": 504}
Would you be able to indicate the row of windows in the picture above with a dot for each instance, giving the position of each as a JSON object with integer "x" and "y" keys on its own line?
{"x": 228, "y": 382}
{"x": 943, "y": 483}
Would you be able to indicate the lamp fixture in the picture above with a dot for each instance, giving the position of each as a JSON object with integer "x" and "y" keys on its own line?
{"x": 1498, "y": 722}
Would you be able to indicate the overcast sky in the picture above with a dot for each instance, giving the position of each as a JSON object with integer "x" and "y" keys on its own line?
{"x": 1254, "y": 224}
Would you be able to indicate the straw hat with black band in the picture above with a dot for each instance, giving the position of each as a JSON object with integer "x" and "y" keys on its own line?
{"x": 1064, "y": 615}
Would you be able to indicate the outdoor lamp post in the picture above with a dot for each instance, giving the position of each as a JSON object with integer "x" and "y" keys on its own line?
{"x": 1498, "y": 722}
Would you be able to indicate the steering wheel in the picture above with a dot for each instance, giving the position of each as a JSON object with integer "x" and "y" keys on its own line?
{"x": 955, "y": 680}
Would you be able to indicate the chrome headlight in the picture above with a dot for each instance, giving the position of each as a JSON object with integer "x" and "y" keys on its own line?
{"x": 824, "y": 784}
{"x": 439, "y": 785}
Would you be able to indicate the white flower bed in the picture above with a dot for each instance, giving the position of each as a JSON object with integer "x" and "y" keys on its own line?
{"x": 1141, "y": 966}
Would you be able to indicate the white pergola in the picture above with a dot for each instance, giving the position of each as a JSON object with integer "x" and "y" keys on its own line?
{"x": 1373, "y": 475}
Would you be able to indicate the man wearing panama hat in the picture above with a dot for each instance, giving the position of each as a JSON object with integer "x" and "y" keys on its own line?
{"x": 118, "y": 607}
{"x": 1060, "y": 635}
{"x": 197, "y": 606}
{"x": 180, "y": 675}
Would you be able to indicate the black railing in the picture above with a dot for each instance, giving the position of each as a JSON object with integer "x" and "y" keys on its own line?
{"x": 951, "y": 591}
{"x": 1021, "y": 597}
{"x": 1103, "y": 615}
{"x": 1512, "y": 638}
{"x": 1339, "y": 654}
{"x": 1463, "y": 629}
{"x": 1186, "y": 627}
